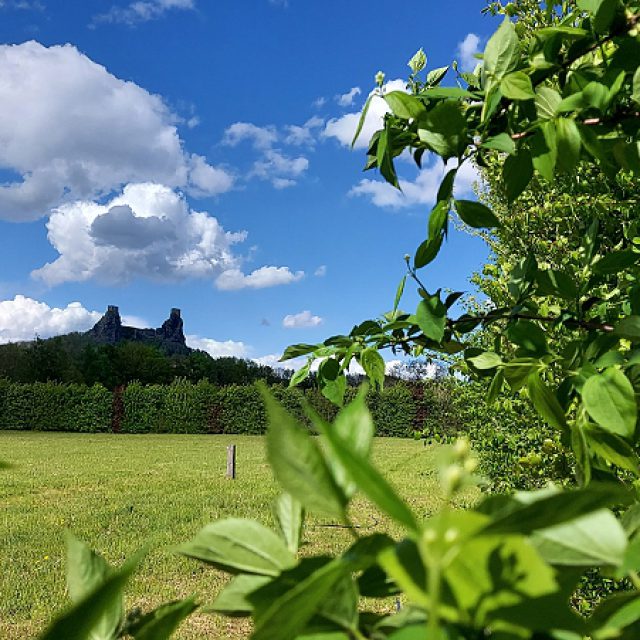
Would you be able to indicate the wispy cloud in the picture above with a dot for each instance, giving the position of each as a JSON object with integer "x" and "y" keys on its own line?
{"x": 141, "y": 11}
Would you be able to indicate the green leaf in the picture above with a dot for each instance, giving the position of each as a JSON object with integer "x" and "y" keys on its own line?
{"x": 502, "y": 51}
{"x": 556, "y": 283}
{"x": 404, "y": 105}
{"x": 613, "y": 449}
{"x": 334, "y": 390}
{"x": 373, "y": 365}
{"x": 239, "y": 545}
{"x": 289, "y": 517}
{"x": 300, "y": 375}
{"x": 297, "y": 462}
{"x": 629, "y": 328}
{"x": 568, "y": 140}
{"x": 529, "y": 337}
{"x": 428, "y": 250}
{"x": 527, "y": 512}
{"x": 79, "y": 622}
{"x": 431, "y": 317}
{"x": 354, "y": 426}
{"x": 476, "y": 214}
{"x": 445, "y": 190}
{"x": 295, "y": 350}
{"x": 435, "y": 76}
{"x": 86, "y": 571}
{"x": 384, "y": 157}
{"x": 370, "y": 481}
{"x": 547, "y": 102}
{"x": 517, "y": 86}
{"x": 284, "y": 606}
{"x": 444, "y": 129}
{"x": 517, "y": 172}
{"x": 485, "y": 360}
{"x": 363, "y": 117}
{"x": 635, "y": 96}
{"x": 544, "y": 150}
{"x": 594, "y": 540}
{"x": 616, "y": 261}
{"x": 399, "y": 292}
{"x": 604, "y": 15}
{"x": 609, "y": 399}
{"x": 163, "y": 621}
{"x": 418, "y": 61}
{"x": 233, "y": 599}
{"x": 341, "y": 605}
{"x": 501, "y": 142}
{"x": 545, "y": 402}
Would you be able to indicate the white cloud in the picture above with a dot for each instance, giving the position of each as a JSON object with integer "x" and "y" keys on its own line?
{"x": 260, "y": 137}
{"x": 280, "y": 168}
{"x": 148, "y": 231}
{"x": 301, "y": 320}
{"x": 261, "y": 278}
{"x": 466, "y": 52}
{"x": 218, "y": 349}
{"x": 318, "y": 103}
{"x": 135, "y": 321}
{"x": 73, "y": 131}
{"x": 321, "y": 271}
{"x": 27, "y": 5}
{"x": 141, "y": 11}
{"x": 346, "y": 99}
{"x": 344, "y": 128}
{"x": 421, "y": 191}
{"x": 25, "y": 318}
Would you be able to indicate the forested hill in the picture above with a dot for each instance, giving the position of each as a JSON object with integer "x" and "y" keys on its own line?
{"x": 77, "y": 357}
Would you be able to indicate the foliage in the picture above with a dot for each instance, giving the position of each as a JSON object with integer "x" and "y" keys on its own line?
{"x": 75, "y": 358}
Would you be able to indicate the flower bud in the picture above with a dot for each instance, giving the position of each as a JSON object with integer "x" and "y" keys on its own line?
{"x": 470, "y": 465}
{"x": 452, "y": 478}
{"x": 461, "y": 448}
{"x": 451, "y": 535}
{"x": 380, "y": 78}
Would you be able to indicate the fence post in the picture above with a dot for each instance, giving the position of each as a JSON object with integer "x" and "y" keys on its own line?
{"x": 231, "y": 461}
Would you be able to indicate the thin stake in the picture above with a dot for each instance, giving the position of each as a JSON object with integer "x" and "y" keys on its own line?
{"x": 231, "y": 461}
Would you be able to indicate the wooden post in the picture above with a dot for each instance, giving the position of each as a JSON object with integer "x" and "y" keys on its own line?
{"x": 231, "y": 461}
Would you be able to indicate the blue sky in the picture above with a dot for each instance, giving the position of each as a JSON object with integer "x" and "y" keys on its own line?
{"x": 194, "y": 154}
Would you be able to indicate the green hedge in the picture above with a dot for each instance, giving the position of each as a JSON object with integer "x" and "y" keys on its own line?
{"x": 182, "y": 407}
{"x": 48, "y": 406}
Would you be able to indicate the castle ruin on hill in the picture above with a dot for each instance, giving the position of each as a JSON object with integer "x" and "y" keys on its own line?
{"x": 169, "y": 337}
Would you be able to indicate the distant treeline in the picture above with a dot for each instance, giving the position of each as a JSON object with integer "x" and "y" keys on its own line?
{"x": 74, "y": 358}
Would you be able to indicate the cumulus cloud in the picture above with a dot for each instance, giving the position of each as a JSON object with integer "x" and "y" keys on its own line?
{"x": 25, "y": 318}
{"x": 261, "y": 278}
{"x": 73, "y": 131}
{"x": 347, "y": 99}
{"x": 141, "y": 11}
{"x": 466, "y": 52}
{"x": 344, "y": 128}
{"x": 281, "y": 168}
{"x": 218, "y": 349}
{"x": 147, "y": 231}
{"x": 421, "y": 191}
{"x": 301, "y": 320}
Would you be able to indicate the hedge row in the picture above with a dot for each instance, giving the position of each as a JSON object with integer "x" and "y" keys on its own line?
{"x": 181, "y": 407}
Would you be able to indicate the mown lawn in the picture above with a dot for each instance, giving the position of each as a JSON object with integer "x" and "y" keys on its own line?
{"x": 121, "y": 492}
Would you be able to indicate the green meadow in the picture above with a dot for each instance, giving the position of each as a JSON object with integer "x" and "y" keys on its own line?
{"x": 120, "y": 493}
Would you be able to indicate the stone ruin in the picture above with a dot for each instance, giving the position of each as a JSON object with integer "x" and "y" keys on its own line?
{"x": 169, "y": 337}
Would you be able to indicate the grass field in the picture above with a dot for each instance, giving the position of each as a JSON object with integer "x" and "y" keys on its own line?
{"x": 119, "y": 493}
